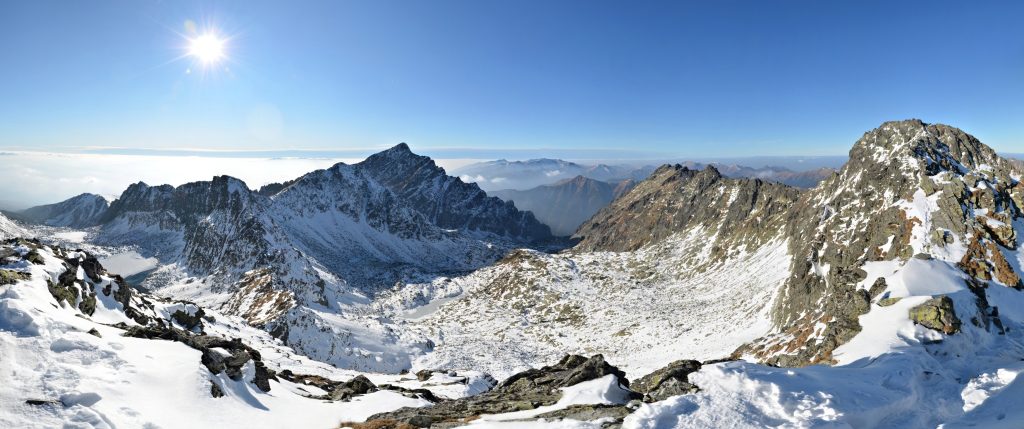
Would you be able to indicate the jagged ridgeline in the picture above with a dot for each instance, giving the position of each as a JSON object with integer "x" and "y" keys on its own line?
{"x": 910, "y": 190}
{"x": 321, "y": 240}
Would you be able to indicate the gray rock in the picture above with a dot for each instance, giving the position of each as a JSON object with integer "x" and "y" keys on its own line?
{"x": 672, "y": 380}
{"x": 523, "y": 391}
{"x": 938, "y": 314}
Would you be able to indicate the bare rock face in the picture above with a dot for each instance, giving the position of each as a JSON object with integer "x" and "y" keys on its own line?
{"x": 676, "y": 199}
{"x": 447, "y": 201}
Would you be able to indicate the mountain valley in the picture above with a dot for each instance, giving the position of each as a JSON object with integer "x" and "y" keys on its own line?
{"x": 887, "y": 295}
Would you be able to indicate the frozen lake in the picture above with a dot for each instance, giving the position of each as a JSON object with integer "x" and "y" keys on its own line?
{"x": 128, "y": 263}
{"x": 71, "y": 236}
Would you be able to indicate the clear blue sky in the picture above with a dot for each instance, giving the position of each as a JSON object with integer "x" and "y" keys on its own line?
{"x": 703, "y": 79}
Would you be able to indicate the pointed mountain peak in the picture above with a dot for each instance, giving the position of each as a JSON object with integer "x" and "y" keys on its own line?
{"x": 400, "y": 148}
{"x": 399, "y": 153}
{"x": 579, "y": 180}
{"x": 711, "y": 171}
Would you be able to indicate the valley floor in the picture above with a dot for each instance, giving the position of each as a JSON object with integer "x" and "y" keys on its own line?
{"x": 54, "y": 373}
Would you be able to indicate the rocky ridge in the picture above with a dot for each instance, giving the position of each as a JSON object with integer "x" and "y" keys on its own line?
{"x": 910, "y": 190}
{"x": 731, "y": 212}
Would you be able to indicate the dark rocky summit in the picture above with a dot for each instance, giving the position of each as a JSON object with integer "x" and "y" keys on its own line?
{"x": 447, "y": 201}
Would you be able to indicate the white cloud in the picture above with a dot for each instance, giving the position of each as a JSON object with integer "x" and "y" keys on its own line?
{"x": 472, "y": 179}
{"x": 552, "y": 173}
{"x": 498, "y": 180}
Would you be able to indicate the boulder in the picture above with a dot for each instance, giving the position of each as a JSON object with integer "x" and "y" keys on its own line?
{"x": 360, "y": 385}
{"x": 938, "y": 314}
{"x": 672, "y": 380}
{"x": 877, "y": 287}
{"x": 424, "y": 374}
{"x": 885, "y": 302}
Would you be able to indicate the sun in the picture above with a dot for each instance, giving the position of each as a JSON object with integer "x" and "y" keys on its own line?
{"x": 208, "y": 48}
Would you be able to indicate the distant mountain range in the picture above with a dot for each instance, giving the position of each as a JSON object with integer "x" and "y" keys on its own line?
{"x": 78, "y": 212}
{"x": 568, "y": 203}
{"x": 503, "y": 175}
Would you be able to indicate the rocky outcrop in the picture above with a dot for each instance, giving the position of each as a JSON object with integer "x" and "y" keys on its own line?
{"x": 938, "y": 314}
{"x": 909, "y": 188}
{"x": 672, "y": 380}
{"x": 218, "y": 354}
{"x": 523, "y": 391}
{"x": 346, "y": 390}
{"x": 9, "y": 277}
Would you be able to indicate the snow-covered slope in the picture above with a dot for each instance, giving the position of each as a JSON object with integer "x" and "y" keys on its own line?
{"x": 8, "y": 228}
{"x": 81, "y": 349}
{"x": 641, "y": 309}
{"x": 81, "y": 211}
{"x": 902, "y": 271}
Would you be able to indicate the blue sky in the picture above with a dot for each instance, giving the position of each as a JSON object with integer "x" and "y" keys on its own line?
{"x": 463, "y": 79}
